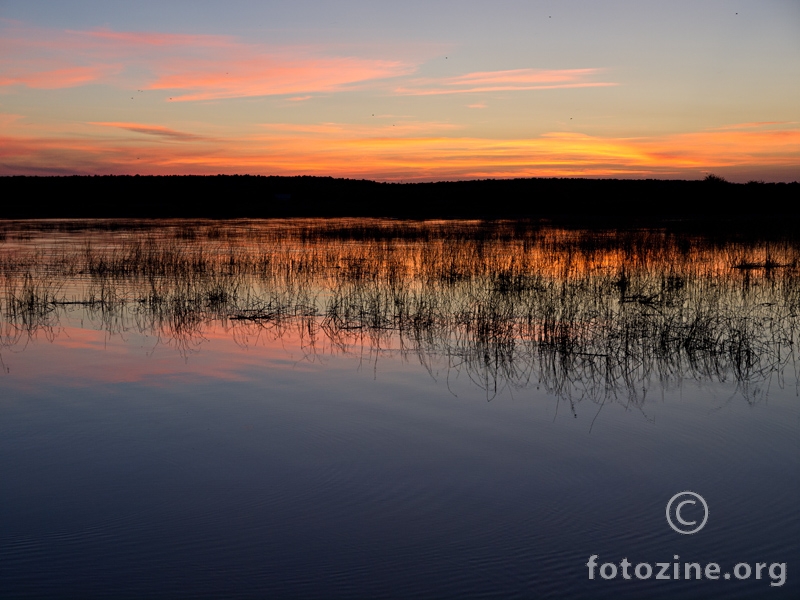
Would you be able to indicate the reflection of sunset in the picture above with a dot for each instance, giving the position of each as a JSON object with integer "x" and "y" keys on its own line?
{"x": 225, "y": 301}
{"x": 86, "y": 357}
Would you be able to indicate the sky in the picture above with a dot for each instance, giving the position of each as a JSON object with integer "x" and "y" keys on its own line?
{"x": 402, "y": 91}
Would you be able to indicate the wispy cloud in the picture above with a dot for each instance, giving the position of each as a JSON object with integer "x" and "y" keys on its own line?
{"x": 269, "y": 76}
{"x": 754, "y": 125}
{"x": 7, "y": 119}
{"x": 58, "y": 78}
{"x": 154, "y": 130}
{"x": 192, "y": 67}
{"x": 392, "y": 128}
{"x": 125, "y": 40}
{"x": 214, "y": 67}
{"x": 520, "y": 77}
{"x": 505, "y": 81}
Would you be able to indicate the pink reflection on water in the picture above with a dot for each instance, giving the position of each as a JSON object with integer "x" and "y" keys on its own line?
{"x": 84, "y": 357}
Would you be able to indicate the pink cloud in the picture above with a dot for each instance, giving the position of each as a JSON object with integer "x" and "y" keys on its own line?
{"x": 59, "y": 78}
{"x": 338, "y": 130}
{"x": 192, "y": 67}
{"x": 7, "y": 119}
{"x": 136, "y": 39}
{"x": 520, "y": 77}
{"x": 212, "y": 67}
{"x": 270, "y": 75}
{"x": 503, "y": 81}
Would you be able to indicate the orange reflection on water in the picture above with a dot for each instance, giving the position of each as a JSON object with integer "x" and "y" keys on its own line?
{"x": 182, "y": 302}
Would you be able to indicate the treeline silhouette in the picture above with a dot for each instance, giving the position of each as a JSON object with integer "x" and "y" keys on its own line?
{"x": 248, "y": 196}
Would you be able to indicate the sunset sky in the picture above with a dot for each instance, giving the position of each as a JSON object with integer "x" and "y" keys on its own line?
{"x": 402, "y": 91}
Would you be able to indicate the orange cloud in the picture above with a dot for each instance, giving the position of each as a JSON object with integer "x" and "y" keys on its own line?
{"x": 410, "y": 152}
{"x": 503, "y": 81}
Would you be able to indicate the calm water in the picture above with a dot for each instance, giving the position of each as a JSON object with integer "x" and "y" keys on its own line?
{"x": 342, "y": 409}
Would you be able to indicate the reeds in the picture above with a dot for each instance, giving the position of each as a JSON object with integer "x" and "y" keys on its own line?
{"x": 583, "y": 314}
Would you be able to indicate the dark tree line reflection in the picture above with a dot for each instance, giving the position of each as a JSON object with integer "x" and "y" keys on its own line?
{"x": 592, "y": 315}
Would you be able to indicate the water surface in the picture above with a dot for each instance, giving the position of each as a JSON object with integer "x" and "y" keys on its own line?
{"x": 357, "y": 408}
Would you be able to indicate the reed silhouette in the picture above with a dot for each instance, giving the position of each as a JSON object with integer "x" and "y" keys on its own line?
{"x": 588, "y": 315}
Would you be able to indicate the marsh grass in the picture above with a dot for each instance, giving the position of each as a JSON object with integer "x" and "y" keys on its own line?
{"x": 594, "y": 315}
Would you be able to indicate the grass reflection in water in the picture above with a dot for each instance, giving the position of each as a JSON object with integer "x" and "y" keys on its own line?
{"x": 594, "y": 315}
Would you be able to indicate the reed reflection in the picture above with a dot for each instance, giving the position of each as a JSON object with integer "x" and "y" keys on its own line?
{"x": 584, "y": 315}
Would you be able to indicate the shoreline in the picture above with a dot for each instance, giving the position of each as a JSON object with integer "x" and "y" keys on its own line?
{"x": 598, "y": 201}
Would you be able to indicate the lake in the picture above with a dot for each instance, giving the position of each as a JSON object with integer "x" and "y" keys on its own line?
{"x": 356, "y": 408}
